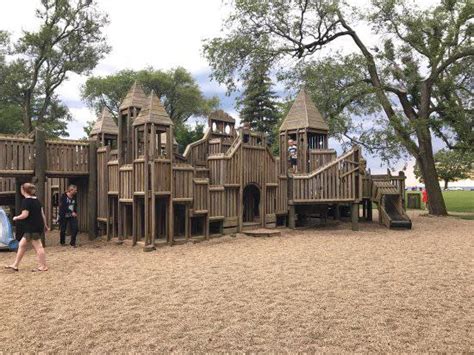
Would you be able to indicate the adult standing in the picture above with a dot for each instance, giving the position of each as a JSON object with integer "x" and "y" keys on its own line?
{"x": 34, "y": 225}
{"x": 68, "y": 215}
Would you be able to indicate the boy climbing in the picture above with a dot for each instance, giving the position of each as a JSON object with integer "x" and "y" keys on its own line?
{"x": 293, "y": 155}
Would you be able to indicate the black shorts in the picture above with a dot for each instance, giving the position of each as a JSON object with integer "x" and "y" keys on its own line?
{"x": 293, "y": 161}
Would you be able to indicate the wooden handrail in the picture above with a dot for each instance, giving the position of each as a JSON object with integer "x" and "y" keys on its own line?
{"x": 325, "y": 167}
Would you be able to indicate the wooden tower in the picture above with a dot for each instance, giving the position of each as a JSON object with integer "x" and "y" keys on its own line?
{"x": 131, "y": 105}
{"x": 305, "y": 125}
{"x": 153, "y": 161}
{"x": 105, "y": 130}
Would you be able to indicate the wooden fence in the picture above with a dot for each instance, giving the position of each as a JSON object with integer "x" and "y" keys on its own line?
{"x": 67, "y": 158}
{"x": 183, "y": 182}
{"x": 16, "y": 156}
{"x": 320, "y": 157}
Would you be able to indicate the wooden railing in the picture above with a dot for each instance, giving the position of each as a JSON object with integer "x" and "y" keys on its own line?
{"x": 196, "y": 153}
{"x": 139, "y": 175}
{"x": 67, "y": 157}
{"x": 320, "y": 157}
{"x": 183, "y": 182}
{"x": 337, "y": 181}
{"x": 7, "y": 186}
{"x": 16, "y": 156}
{"x": 126, "y": 183}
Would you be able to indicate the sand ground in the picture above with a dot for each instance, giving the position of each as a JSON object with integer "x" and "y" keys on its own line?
{"x": 325, "y": 289}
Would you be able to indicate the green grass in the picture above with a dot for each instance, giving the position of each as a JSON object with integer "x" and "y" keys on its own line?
{"x": 460, "y": 202}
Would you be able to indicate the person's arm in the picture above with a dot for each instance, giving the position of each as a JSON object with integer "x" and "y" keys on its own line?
{"x": 46, "y": 227}
{"x": 23, "y": 215}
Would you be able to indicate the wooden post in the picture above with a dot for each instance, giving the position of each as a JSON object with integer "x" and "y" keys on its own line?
{"x": 355, "y": 216}
{"x": 291, "y": 217}
{"x": 369, "y": 210}
{"x": 92, "y": 191}
{"x": 40, "y": 168}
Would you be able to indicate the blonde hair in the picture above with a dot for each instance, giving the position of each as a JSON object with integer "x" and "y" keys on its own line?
{"x": 29, "y": 188}
{"x": 71, "y": 187}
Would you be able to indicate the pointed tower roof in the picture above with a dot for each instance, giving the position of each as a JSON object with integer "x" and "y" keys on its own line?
{"x": 153, "y": 112}
{"x": 304, "y": 114}
{"x": 135, "y": 97}
{"x": 105, "y": 124}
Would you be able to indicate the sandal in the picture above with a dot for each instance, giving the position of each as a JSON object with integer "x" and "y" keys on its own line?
{"x": 37, "y": 269}
{"x": 9, "y": 267}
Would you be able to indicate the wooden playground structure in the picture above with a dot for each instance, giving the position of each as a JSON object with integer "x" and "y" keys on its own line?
{"x": 134, "y": 186}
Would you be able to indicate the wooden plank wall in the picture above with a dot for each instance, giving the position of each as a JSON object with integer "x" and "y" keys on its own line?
{"x": 200, "y": 195}
{"x": 16, "y": 156}
{"x": 217, "y": 202}
{"x": 139, "y": 175}
{"x": 126, "y": 183}
{"x": 183, "y": 182}
{"x": 113, "y": 177}
{"x": 162, "y": 176}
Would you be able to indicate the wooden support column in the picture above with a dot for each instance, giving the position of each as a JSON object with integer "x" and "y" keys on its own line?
{"x": 169, "y": 152}
{"x": 355, "y": 216}
{"x": 92, "y": 190}
{"x": 40, "y": 164}
{"x": 291, "y": 217}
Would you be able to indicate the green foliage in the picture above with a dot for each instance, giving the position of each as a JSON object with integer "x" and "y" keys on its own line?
{"x": 186, "y": 134}
{"x": 68, "y": 40}
{"x": 179, "y": 92}
{"x": 451, "y": 166}
{"x": 258, "y": 105}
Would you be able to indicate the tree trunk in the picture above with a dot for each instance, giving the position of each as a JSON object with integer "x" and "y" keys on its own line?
{"x": 436, "y": 205}
{"x": 27, "y": 114}
{"x": 446, "y": 184}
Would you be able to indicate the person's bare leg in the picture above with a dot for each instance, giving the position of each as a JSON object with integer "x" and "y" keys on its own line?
{"x": 41, "y": 255}
{"x": 20, "y": 253}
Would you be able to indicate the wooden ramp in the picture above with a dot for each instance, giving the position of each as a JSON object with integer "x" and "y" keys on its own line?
{"x": 262, "y": 232}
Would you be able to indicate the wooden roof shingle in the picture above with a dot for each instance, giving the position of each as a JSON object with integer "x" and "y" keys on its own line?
{"x": 105, "y": 124}
{"x": 304, "y": 114}
{"x": 135, "y": 97}
{"x": 153, "y": 112}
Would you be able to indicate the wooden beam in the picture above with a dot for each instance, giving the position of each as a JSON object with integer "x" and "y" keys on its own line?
{"x": 92, "y": 190}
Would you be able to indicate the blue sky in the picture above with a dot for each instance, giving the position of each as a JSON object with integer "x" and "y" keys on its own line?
{"x": 166, "y": 34}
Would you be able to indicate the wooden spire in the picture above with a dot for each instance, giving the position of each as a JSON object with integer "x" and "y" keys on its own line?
{"x": 105, "y": 124}
{"x": 304, "y": 114}
{"x": 135, "y": 97}
{"x": 153, "y": 112}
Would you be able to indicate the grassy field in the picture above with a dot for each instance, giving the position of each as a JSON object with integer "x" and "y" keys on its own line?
{"x": 459, "y": 201}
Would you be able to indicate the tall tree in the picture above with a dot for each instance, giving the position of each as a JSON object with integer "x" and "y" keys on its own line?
{"x": 179, "y": 92}
{"x": 258, "y": 105}
{"x": 452, "y": 165}
{"x": 69, "y": 40}
{"x": 417, "y": 71}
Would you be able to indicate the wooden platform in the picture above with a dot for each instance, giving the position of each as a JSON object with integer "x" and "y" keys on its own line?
{"x": 262, "y": 232}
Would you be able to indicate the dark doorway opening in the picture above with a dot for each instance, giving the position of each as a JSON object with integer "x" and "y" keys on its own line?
{"x": 161, "y": 219}
{"x": 251, "y": 210}
{"x": 216, "y": 228}
{"x": 198, "y": 226}
{"x": 179, "y": 221}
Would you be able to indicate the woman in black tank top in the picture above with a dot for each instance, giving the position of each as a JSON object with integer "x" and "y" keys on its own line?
{"x": 34, "y": 225}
